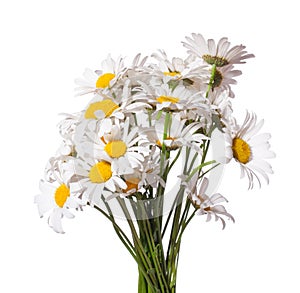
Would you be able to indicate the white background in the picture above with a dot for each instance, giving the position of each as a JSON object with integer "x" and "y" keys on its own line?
{"x": 45, "y": 45}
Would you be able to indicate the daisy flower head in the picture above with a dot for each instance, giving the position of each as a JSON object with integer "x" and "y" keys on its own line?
{"x": 178, "y": 68}
{"x": 208, "y": 205}
{"x": 178, "y": 133}
{"x": 219, "y": 54}
{"x": 141, "y": 178}
{"x": 163, "y": 96}
{"x": 97, "y": 179}
{"x": 223, "y": 78}
{"x": 57, "y": 195}
{"x": 103, "y": 110}
{"x": 250, "y": 149}
{"x": 122, "y": 147}
{"x": 134, "y": 183}
{"x": 100, "y": 80}
{"x": 98, "y": 116}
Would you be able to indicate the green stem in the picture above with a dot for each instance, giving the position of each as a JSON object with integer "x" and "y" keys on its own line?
{"x": 142, "y": 258}
{"x": 197, "y": 169}
{"x": 171, "y": 257}
{"x": 212, "y": 79}
{"x": 155, "y": 256}
{"x": 175, "y": 159}
{"x": 127, "y": 243}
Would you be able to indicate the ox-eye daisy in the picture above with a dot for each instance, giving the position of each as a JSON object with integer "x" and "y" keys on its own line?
{"x": 178, "y": 68}
{"x": 224, "y": 78}
{"x": 163, "y": 96}
{"x": 99, "y": 80}
{"x": 178, "y": 133}
{"x": 103, "y": 110}
{"x": 250, "y": 149}
{"x": 207, "y": 205}
{"x": 122, "y": 147}
{"x": 98, "y": 178}
{"x": 220, "y": 54}
{"x": 57, "y": 196}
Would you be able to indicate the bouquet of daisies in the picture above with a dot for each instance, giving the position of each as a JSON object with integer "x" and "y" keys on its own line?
{"x": 142, "y": 153}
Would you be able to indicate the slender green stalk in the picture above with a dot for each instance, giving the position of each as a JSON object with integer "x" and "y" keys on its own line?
{"x": 121, "y": 234}
{"x": 147, "y": 230}
{"x": 179, "y": 194}
{"x": 171, "y": 257}
{"x": 197, "y": 169}
{"x": 142, "y": 257}
{"x": 175, "y": 159}
{"x": 212, "y": 79}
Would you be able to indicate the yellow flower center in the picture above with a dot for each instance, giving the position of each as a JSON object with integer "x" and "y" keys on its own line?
{"x": 116, "y": 149}
{"x": 61, "y": 195}
{"x": 241, "y": 150}
{"x": 104, "y": 80}
{"x": 100, "y": 172}
{"x": 132, "y": 183}
{"x": 107, "y": 106}
{"x": 172, "y": 73}
{"x": 163, "y": 99}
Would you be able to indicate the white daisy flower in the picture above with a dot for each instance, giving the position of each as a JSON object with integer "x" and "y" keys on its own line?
{"x": 122, "y": 147}
{"x": 219, "y": 54}
{"x": 250, "y": 149}
{"x": 178, "y": 68}
{"x": 142, "y": 178}
{"x": 57, "y": 196}
{"x": 99, "y": 80}
{"x": 98, "y": 179}
{"x": 224, "y": 78}
{"x": 133, "y": 182}
{"x": 103, "y": 110}
{"x": 163, "y": 96}
{"x": 208, "y": 205}
{"x": 178, "y": 134}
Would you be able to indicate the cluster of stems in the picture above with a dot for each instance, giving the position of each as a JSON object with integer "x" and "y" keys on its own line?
{"x": 155, "y": 240}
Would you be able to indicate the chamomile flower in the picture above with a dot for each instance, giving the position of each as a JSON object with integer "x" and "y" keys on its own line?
{"x": 133, "y": 182}
{"x": 122, "y": 147}
{"x": 250, "y": 149}
{"x": 99, "y": 80}
{"x": 178, "y": 68}
{"x": 103, "y": 110}
{"x": 57, "y": 197}
{"x": 98, "y": 116}
{"x": 163, "y": 96}
{"x": 220, "y": 54}
{"x": 178, "y": 133}
{"x": 97, "y": 178}
{"x": 224, "y": 78}
{"x": 208, "y": 205}
{"x": 147, "y": 175}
